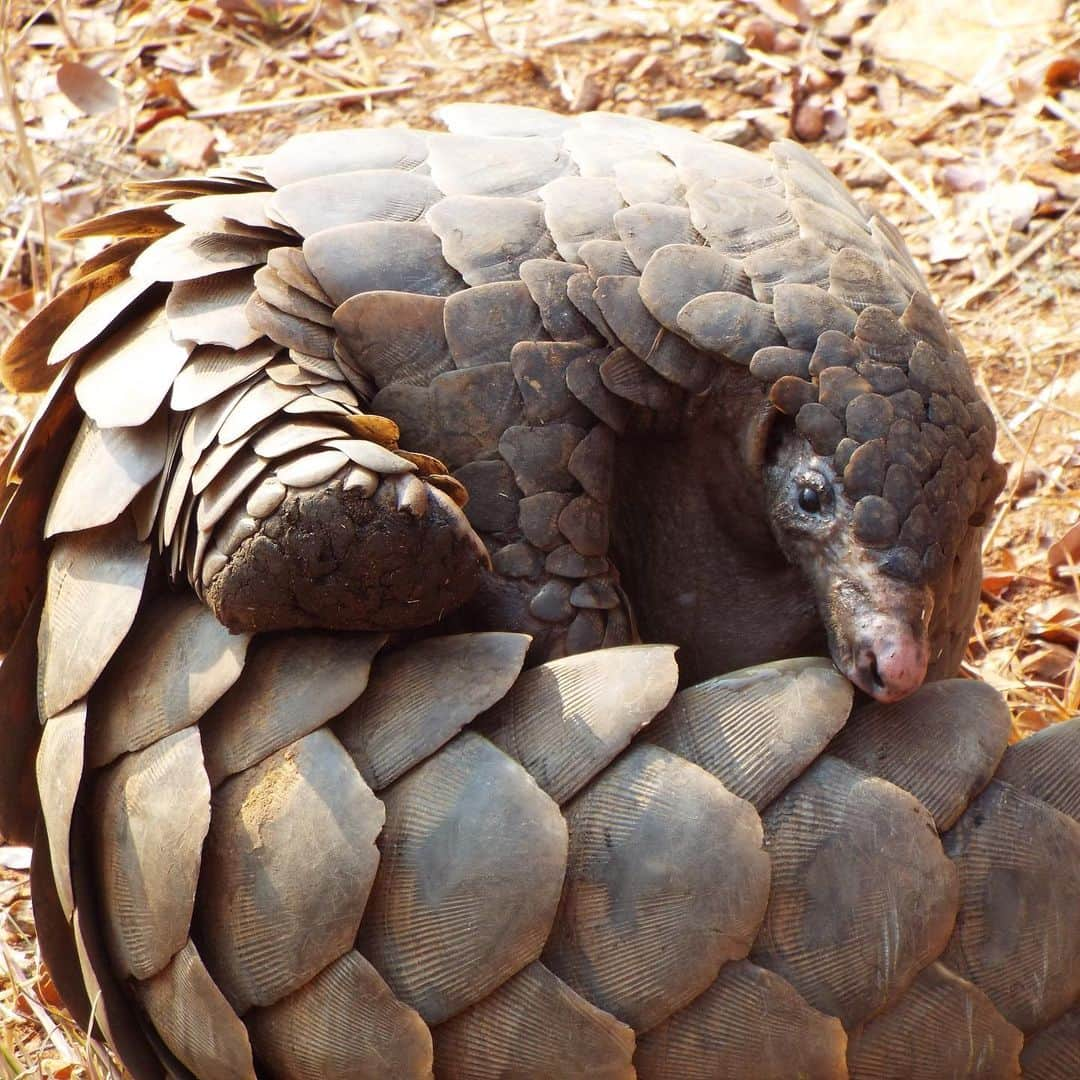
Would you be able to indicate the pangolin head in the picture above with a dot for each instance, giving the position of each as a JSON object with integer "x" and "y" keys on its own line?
{"x": 879, "y": 464}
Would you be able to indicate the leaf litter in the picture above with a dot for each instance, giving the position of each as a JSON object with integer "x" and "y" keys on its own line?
{"x": 964, "y": 130}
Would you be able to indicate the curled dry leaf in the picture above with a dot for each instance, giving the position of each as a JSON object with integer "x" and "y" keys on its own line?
{"x": 1066, "y": 550}
{"x": 1062, "y": 73}
{"x": 88, "y": 91}
{"x": 187, "y": 143}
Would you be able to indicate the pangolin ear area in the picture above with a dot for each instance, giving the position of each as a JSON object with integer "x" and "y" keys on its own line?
{"x": 757, "y": 433}
{"x": 990, "y": 487}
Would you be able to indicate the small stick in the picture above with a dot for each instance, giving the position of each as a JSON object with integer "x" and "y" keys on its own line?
{"x": 303, "y": 99}
{"x": 931, "y": 206}
{"x": 977, "y": 289}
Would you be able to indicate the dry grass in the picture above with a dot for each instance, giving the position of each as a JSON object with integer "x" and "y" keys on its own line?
{"x": 985, "y": 183}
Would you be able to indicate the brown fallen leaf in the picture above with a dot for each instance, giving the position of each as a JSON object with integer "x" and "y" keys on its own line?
{"x": 178, "y": 140}
{"x": 1066, "y": 550}
{"x": 1051, "y": 663}
{"x": 1056, "y": 619}
{"x": 1062, "y": 73}
{"x": 88, "y": 91}
{"x": 995, "y": 582}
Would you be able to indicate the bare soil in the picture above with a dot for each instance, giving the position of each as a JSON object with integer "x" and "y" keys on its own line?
{"x": 966, "y": 134}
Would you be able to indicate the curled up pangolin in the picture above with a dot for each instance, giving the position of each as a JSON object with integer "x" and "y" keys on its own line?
{"x": 364, "y": 470}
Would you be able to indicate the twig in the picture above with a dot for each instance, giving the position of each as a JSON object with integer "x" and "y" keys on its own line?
{"x": 303, "y": 99}
{"x": 1035, "y": 244}
{"x": 929, "y": 204}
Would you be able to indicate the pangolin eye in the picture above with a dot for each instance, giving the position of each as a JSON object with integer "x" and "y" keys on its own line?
{"x": 810, "y": 499}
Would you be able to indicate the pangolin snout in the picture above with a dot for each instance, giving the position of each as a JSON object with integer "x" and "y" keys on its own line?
{"x": 891, "y": 667}
{"x": 879, "y": 635}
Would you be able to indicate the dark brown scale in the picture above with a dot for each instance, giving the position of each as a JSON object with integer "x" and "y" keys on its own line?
{"x": 834, "y": 349}
{"x": 776, "y": 361}
{"x": 843, "y": 453}
{"x": 483, "y": 324}
{"x": 546, "y": 280}
{"x": 538, "y": 518}
{"x": 903, "y": 564}
{"x": 583, "y": 379}
{"x": 820, "y": 426}
{"x": 584, "y": 522}
{"x": 884, "y": 378}
{"x": 939, "y": 411}
{"x": 901, "y": 489}
{"x": 908, "y": 405}
{"x": 585, "y": 632}
{"x": 593, "y": 461}
{"x": 729, "y": 325}
{"x": 540, "y": 371}
{"x": 394, "y": 337}
{"x": 864, "y": 473}
{"x": 552, "y": 602}
{"x": 539, "y": 456}
{"x": 883, "y": 337}
{"x": 493, "y": 495}
{"x": 568, "y": 562}
{"x": 623, "y": 310}
{"x": 804, "y": 312}
{"x": 633, "y": 380}
{"x": 934, "y": 560}
{"x": 869, "y": 416}
{"x": 789, "y": 394}
{"x": 474, "y": 407}
{"x": 595, "y": 592}
{"x": 875, "y": 521}
{"x": 838, "y": 387}
{"x": 924, "y": 320}
{"x": 518, "y": 560}
{"x": 927, "y": 373}
{"x": 919, "y": 530}
{"x": 676, "y": 360}
{"x": 579, "y": 291}
{"x": 961, "y": 415}
{"x": 904, "y": 446}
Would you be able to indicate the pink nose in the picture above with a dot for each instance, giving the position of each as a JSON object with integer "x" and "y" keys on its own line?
{"x": 891, "y": 669}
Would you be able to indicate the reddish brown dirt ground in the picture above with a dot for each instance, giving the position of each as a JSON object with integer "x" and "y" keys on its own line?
{"x": 968, "y": 136}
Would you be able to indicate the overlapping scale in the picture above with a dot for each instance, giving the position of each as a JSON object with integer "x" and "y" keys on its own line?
{"x": 534, "y": 1025}
{"x": 850, "y": 855}
{"x": 148, "y": 855}
{"x": 756, "y": 730}
{"x": 301, "y": 815}
{"x": 749, "y": 1022}
{"x": 421, "y": 697}
{"x": 472, "y": 863}
{"x": 667, "y": 880}
{"x": 345, "y": 1024}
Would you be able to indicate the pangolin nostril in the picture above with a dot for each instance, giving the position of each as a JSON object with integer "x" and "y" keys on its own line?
{"x": 875, "y": 674}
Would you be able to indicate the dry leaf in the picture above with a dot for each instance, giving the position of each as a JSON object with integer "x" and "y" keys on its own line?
{"x": 1063, "y": 73}
{"x": 88, "y": 91}
{"x": 1066, "y": 550}
{"x": 995, "y": 582}
{"x": 187, "y": 143}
